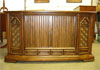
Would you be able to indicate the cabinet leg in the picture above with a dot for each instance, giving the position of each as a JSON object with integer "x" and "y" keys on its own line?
{"x": 88, "y": 60}
{"x": 1, "y": 37}
{"x": 8, "y": 60}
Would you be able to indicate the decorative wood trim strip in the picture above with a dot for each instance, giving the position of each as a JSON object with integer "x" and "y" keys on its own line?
{"x": 74, "y": 1}
{"x": 8, "y": 33}
{"x": 22, "y": 34}
{"x": 37, "y": 52}
{"x": 50, "y": 31}
{"x": 78, "y": 34}
{"x": 41, "y": 1}
{"x": 50, "y": 48}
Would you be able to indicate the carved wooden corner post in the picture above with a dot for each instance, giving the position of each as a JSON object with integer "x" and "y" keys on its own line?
{"x": 86, "y": 24}
{"x": 14, "y": 37}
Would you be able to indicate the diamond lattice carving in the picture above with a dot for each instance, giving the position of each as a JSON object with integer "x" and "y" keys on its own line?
{"x": 15, "y": 32}
{"x": 84, "y": 32}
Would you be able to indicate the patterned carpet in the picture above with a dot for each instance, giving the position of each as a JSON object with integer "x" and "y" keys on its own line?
{"x": 72, "y": 65}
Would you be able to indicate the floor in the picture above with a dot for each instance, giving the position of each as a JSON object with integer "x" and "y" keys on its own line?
{"x": 72, "y": 65}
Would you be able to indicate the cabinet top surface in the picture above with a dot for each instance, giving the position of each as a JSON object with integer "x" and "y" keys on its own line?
{"x": 49, "y": 11}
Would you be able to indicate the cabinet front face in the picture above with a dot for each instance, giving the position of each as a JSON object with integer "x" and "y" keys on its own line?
{"x": 49, "y": 36}
{"x": 56, "y": 34}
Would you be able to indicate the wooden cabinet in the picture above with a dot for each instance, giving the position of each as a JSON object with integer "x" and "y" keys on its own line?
{"x": 49, "y": 36}
{"x": 2, "y": 25}
{"x": 85, "y": 8}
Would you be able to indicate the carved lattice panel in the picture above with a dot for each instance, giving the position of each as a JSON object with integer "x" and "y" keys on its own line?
{"x": 84, "y": 30}
{"x": 15, "y": 35}
{"x": 84, "y": 37}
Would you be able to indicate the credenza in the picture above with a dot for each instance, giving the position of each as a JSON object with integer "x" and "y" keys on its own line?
{"x": 49, "y": 35}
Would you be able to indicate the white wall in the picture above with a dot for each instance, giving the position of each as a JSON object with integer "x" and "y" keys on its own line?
{"x": 95, "y": 2}
{"x": 53, "y": 5}
{"x": 15, "y": 4}
{"x": 1, "y": 3}
{"x": 57, "y": 5}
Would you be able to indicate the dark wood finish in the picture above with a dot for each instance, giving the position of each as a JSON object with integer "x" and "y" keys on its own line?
{"x": 85, "y": 8}
{"x": 74, "y": 1}
{"x": 41, "y": 1}
{"x": 2, "y": 22}
{"x": 49, "y": 35}
{"x": 2, "y": 25}
{"x": 1, "y": 39}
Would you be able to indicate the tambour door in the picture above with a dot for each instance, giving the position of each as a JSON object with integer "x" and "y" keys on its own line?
{"x": 50, "y": 35}
{"x": 36, "y": 31}
{"x": 64, "y": 31}
{"x": 37, "y": 34}
{"x": 64, "y": 34}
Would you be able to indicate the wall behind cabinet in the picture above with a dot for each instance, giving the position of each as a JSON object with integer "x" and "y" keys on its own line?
{"x": 53, "y": 5}
{"x": 13, "y": 4}
{"x": 56, "y": 5}
{"x": 1, "y": 3}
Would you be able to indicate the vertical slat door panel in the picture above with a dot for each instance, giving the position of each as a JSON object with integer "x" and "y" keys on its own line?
{"x": 36, "y": 30}
{"x": 60, "y": 29}
{"x": 50, "y": 32}
{"x": 64, "y": 28}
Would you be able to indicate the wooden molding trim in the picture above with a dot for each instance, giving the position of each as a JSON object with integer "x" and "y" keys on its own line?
{"x": 74, "y": 1}
{"x": 16, "y": 58}
{"x": 41, "y": 1}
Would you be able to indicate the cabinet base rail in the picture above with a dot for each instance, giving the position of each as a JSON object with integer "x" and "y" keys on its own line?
{"x": 15, "y": 58}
